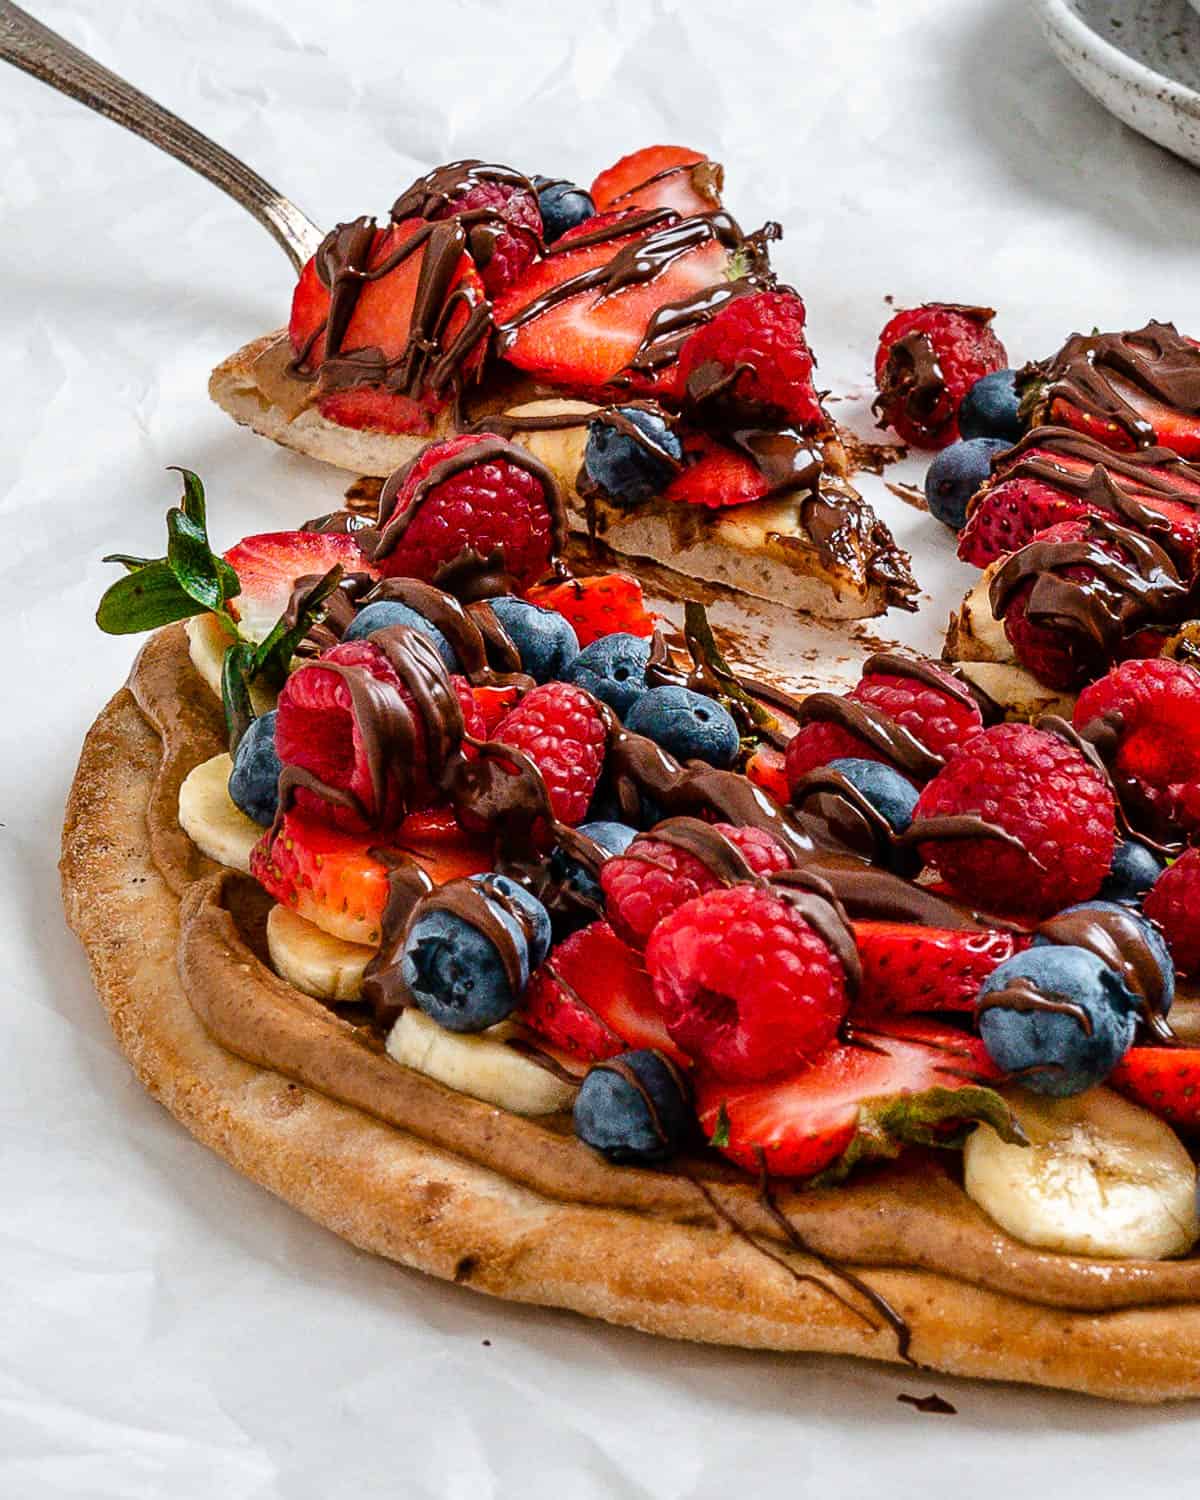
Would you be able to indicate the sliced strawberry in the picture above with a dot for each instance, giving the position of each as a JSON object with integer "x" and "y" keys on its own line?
{"x": 1164, "y": 1080}
{"x": 715, "y": 475}
{"x": 1178, "y": 430}
{"x": 604, "y": 604}
{"x": 493, "y": 703}
{"x": 269, "y": 564}
{"x": 330, "y": 878}
{"x": 371, "y": 407}
{"x": 428, "y": 828}
{"x": 907, "y": 968}
{"x": 585, "y": 337}
{"x": 917, "y": 1084}
{"x": 382, "y": 321}
{"x": 766, "y": 769}
{"x": 592, "y": 997}
{"x": 660, "y": 177}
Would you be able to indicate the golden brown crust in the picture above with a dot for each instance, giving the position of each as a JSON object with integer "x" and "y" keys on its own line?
{"x": 478, "y": 1214}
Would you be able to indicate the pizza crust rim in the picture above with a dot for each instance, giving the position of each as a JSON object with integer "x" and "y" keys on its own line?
{"x": 391, "y": 1194}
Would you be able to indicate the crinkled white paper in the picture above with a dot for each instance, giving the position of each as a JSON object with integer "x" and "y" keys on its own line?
{"x": 168, "y": 1328}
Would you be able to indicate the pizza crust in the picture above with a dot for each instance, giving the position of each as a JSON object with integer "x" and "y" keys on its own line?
{"x": 447, "y": 1212}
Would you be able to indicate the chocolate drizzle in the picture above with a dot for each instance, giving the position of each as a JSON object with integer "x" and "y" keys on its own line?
{"x": 1118, "y": 938}
{"x": 1120, "y": 595}
{"x": 1021, "y": 994}
{"x": 433, "y": 197}
{"x": 449, "y": 319}
{"x": 1111, "y": 375}
{"x": 1125, "y": 485}
{"x": 898, "y": 746}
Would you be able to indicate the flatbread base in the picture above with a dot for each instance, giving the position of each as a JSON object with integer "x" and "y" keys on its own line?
{"x": 389, "y": 1193}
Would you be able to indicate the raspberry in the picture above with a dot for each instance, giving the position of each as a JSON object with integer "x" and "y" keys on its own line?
{"x": 501, "y": 253}
{"x": 928, "y": 359}
{"x": 1174, "y": 904}
{"x": 559, "y": 727}
{"x": 1155, "y": 709}
{"x": 318, "y": 731}
{"x": 940, "y": 721}
{"x": 756, "y": 352}
{"x": 747, "y": 987}
{"x": 495, "y": 507}
{"x": 654, "y": 878}
{"x": 1011, "y": 513}
{"x": 1035, "y": 788}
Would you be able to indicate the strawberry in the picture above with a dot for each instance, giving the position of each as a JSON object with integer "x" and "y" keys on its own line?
{"x": 592, "y": 997}
{"x": 715, "y": 475}
{"x": 1164, "y": 1080}
{"x": 381, "y": 326}
{"x": 578, "y": 316}
{"x": 906, "y": 968}
{"x": 660, "y": 177}
{"x": 766, "y": 769}
{"x": 269, "y": 564}
{"x": 917, "y": 1084}
{"x": 604, "y": 604}
{"x": 330, "y": 878}
{"x": 493, "y": 703}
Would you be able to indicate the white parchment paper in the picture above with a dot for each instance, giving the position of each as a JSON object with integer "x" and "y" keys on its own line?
{"x": 167, "y": 1328}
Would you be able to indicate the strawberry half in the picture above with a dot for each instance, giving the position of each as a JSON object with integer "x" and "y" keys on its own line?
{"x": 660, "y": 177}
{"x": 1164, "y": 1080}
{"x": 604, "y": 604}
{"x": 592, "y": 997}
{"x": 715, "y": 475}
{"x": 330, "y": 878}
{"x": 269, "y": 564}
{"x": 381, "y": 324}
{"x": 569, "y": 321}
{"x": 918, "y": 1084}
{"x": 907, "y": 968}
{"x": 765, "y": 768}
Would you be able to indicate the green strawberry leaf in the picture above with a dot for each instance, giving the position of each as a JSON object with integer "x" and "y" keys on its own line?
{"x": 720, "y": 676}
{"x": 188, "y": 581}
{"x": 237, "y": 671}
{"x": 942, "y": 1117}
{"x": 144, "y": 600}
{"x": 720, "y": 1135}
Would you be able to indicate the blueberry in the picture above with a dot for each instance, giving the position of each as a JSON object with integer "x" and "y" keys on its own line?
{"x": 613, "y": 668}
{"x": 563, "y": 206}
{"x": 883, "y": 786}
{"x": 1114, "y": 910}
{"x": 645, "y": 1117}
{"x": 455, "y": 970}
{"x": 991, "y": 408}
{"x": 626, "y": 468}
{"x": 577, "y": 897}
{"x": 385, "y": 612}
{"x": 1133, "y": 871}
{"x": 687, "y": 724}
{"x": 611, "y": 836}
{"x": 545, "y": 640}
{"x": 1053, "y": 1050}
{"x": 254, "y": 780}
{"x": 954, "y": 476}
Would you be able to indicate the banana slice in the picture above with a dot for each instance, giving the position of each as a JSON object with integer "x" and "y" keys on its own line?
{"x": 1100, "y": 1176}
{"x": 316, "y": 962}
{"x": 207, "y": 641}
{"x": 561, "y": 449}
{"x": 480, "y": 1065}
{"x": 1016, "y": 691}
{"x": 210, "y": 818}
{"x": 974, "y": 633}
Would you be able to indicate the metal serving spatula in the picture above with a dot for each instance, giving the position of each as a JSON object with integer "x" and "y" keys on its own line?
{"x": 29, "y": 45}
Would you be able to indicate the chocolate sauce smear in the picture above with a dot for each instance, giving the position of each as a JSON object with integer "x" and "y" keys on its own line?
{"x": 1111, "y": 375}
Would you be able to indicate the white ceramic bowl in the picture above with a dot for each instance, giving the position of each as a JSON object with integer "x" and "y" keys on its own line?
{"x": 1139, "y": 58}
